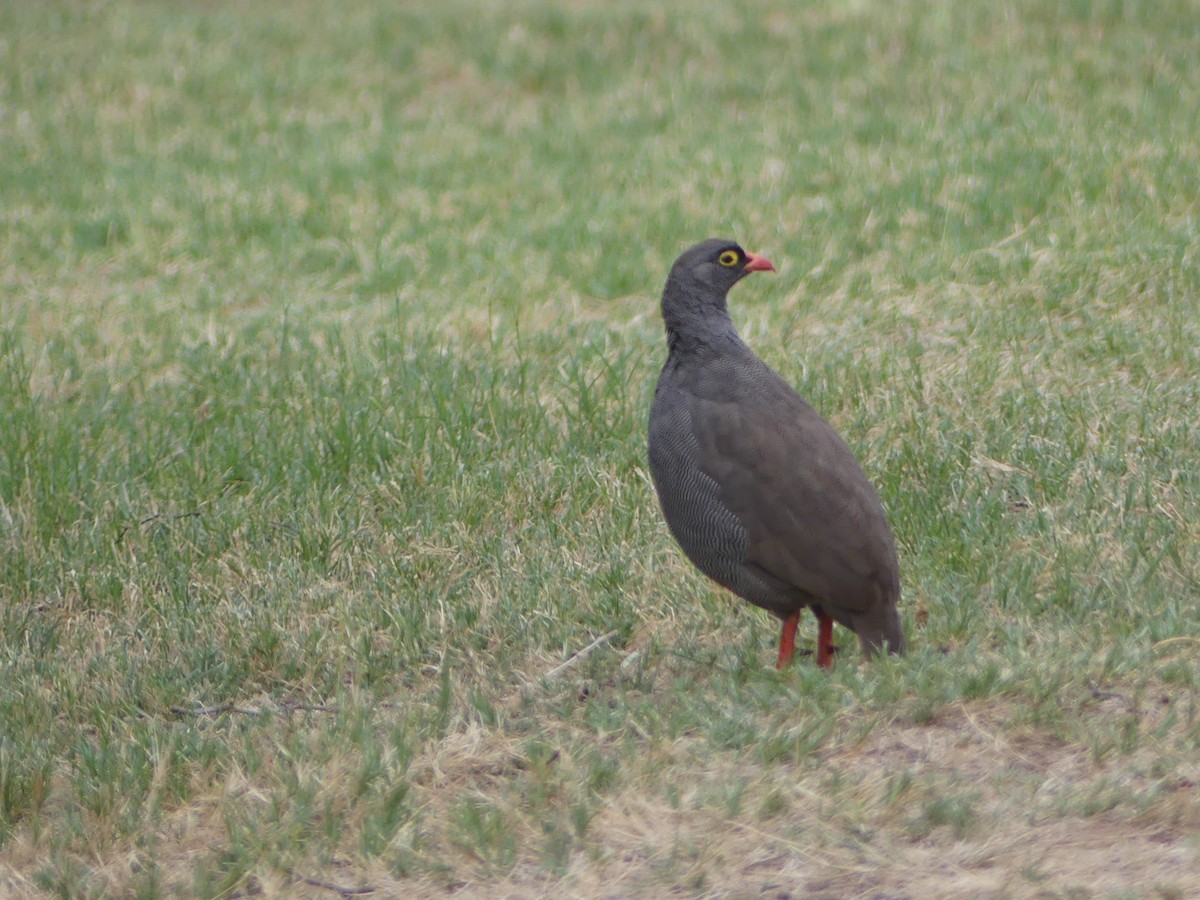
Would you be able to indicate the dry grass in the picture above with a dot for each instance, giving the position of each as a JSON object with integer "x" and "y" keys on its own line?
{"x": 1037, "y": 815}
{"x": 964, "y": 799}
{"x": 1040, "y": 815}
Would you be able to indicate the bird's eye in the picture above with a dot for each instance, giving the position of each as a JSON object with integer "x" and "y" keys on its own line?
{"x": 728, "y": 259}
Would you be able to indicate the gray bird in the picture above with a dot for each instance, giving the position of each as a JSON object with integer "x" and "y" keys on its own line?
{"x": 760, "y": 492}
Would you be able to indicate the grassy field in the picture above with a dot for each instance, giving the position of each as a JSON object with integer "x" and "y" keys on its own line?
{"x": 328, "y": 557}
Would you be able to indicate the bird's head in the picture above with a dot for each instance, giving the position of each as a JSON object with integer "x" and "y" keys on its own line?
{"x": 693, "y": 301}
{"x": 717, "y": 264}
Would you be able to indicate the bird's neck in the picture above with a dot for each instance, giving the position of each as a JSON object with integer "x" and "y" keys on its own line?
{"x": 700, "y": 337}
{"x": 695, "y": 319}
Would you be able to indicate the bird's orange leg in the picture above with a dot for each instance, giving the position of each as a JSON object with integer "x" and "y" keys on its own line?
{"x": 787, "y": 640}
{"x": 824, "y": 641}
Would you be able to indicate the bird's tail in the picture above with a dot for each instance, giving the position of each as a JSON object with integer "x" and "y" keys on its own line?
{"x": 880, "y": 628}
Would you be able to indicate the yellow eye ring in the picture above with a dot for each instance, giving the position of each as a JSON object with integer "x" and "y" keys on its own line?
{"x": 728, "y": 259}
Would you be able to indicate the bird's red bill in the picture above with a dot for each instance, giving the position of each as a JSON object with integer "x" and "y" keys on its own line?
{"x": 757, "y": 264}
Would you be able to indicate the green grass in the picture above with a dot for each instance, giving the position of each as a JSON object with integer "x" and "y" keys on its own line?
{"x": 327, "y": 339}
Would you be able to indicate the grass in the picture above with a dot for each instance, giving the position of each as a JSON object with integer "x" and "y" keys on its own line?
{"x": 328, "y": 559}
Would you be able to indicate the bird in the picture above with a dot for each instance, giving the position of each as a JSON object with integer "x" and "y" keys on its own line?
{"x": 761, "y": 493}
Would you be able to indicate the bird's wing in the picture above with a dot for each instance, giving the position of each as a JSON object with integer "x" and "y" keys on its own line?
{"x": 813, "y": 519}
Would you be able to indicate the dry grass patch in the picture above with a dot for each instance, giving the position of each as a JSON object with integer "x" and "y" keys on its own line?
{"x": 975, "y": 801}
